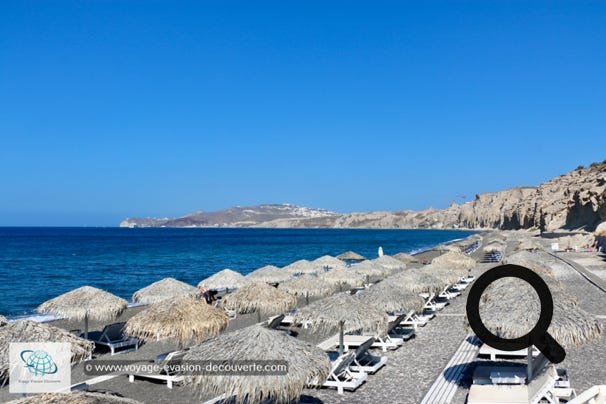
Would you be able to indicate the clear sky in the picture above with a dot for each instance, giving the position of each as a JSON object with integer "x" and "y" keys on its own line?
{"x": 111, "y": 109}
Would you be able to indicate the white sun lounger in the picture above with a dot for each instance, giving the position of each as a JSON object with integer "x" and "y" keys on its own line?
{"x": 171, "y": 359}
{"x": 493, "y": 353}
{"x": 366, "y": 362}
{"x": 540, "y": 388}
{"x": 113, "y": 337}
{"x": 341, "y": 376}
{"x": 412, "y": 319}
{"x": 594, "y": 395}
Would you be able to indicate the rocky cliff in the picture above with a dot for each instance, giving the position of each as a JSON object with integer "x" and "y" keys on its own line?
{"x": 576, "y": 200}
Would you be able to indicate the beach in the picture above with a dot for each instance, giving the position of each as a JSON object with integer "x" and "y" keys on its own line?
{"x": 410, "y": 370}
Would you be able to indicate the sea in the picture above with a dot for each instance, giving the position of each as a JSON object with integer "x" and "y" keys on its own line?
{"x": 37, "y": 264}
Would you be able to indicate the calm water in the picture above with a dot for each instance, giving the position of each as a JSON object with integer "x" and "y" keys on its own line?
{"x": 37, "y": 264}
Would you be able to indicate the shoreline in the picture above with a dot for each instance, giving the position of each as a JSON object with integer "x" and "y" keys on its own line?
{"x": 47, "y": 318}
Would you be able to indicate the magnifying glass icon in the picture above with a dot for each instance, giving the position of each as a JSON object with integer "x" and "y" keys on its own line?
{"x": 538, "y": 336}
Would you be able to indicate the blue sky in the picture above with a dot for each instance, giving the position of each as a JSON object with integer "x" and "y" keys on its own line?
{"x": 111, "y": 109}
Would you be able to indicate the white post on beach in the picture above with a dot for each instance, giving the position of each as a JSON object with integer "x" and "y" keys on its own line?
{"x": 341, "y": 343}
{"x": 529, "y": 365}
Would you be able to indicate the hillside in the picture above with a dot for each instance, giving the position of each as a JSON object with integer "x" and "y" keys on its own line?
{"x": 576, "y": 200}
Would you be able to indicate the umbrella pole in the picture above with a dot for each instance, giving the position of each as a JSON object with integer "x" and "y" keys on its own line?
{"x": 341, "y": 344}
{"x": 258, "y": 316}
{"x": 306, "y": 298}
{"x": 529, "y": 365}
{"x": 86, "y": 325}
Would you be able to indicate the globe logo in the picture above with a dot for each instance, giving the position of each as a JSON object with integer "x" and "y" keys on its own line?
{"x": 38, "y": 363}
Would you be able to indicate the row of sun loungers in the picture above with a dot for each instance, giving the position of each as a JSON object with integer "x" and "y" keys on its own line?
{"x": 473, "y": 248}
{"x": 351, "y": 370}
{"x": 493, "y": 256}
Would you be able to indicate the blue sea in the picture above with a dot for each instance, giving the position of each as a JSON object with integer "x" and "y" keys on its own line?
{"x": 37, "y": 264}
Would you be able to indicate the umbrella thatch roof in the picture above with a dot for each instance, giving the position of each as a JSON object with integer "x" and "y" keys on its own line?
{"x": 406, "y": 258}
{"x": 370, "y": 268}
{"x": 225, "y": 279}
{"x": 164, "y": 289}
{"x": 301, "y": 267}
{"x": 96, "y": 304}
{"x": 308, "y": 285}
{"x": 30, "y": 331}
{"x": 256, "y": 343}
{"x": 455, "y": 259}
{"x": 448, "y": 247}
{"x": 269, "y": 273}
{"x": 3, "y": 320}
{"x": 511, "y": 307}
{"x": 493, "y": 247}
{"x": 351, "y": 256}
{"x": 418, "y": 280}
{"x": 342, "y": 308}
{"x": 343, "y": 276}
{"x": 76, "y": 397}
{"x": 183, "y": 318}
{"x": 261, "y": 297}
{"x": 389, "y": 297}
{"x": 329, "y": 262}
{"x": 448, "y": 274}
{"x": 390, "y": 263}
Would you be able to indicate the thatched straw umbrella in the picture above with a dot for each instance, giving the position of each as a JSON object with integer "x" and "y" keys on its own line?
{"x": 341, "y": 277}
{"x": 448, "y": 274}
{"x": 448, "y": 248}
{"x": 344, "y": 312}
{"x": 508, "y": 306}
{"x": 389, "y": 297}
{"x": 256, "y": 343}
{"x": 301, "y": 267}
{"x": 328, "y": 262}
{"x": 417, "y": 280}
{"x": 259, "y": 297}
{"x": 85, "y": 303}
{"x": 183, "y": 318}
{"x": 225, "y": 279}
{"x": 3, "y": 320}
{"x": 351, "y": 256}
{"x": 269, "y": 274}
{"x": 406, "y": 258}
{"x": 455, "y": 259}
{"x": 369, "y": 268}
{"x": 529, "y": 244}
{"x": 164, "y": 289}
{"x": 30, "y": 331}
{"x": 493, "y": 247}
{"x": 390, "y": 263}
{"x": 308, "y": 286}
{"x": 77, "y": 397}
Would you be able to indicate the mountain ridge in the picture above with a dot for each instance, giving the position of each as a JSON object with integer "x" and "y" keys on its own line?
{"x": 572, "y": 201}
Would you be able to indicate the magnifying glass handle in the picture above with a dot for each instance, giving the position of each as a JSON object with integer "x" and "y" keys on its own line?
{"x": 550, "y": 348}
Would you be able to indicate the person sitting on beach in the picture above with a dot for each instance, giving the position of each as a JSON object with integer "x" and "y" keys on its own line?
{"x": 204, "y": 294}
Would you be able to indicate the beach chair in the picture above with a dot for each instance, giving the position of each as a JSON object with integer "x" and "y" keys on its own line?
{"x": 412, "y": 319}
{"x": 168, "y": 363}
{"x": 593, "y": 395}
{"x": 493, "y": 353}
{"x": 541, "y": 388}
{"x": 366, "y": 362}
{"x": 449, "y": 293}
{"x": 342, "y": 377}
{"x": 390, "y": 341}
{"x": 113, "y": 337}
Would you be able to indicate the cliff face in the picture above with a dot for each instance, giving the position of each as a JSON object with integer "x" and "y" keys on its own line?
{"x": 576, "y": 200}
{"x": 572, "y": 201}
